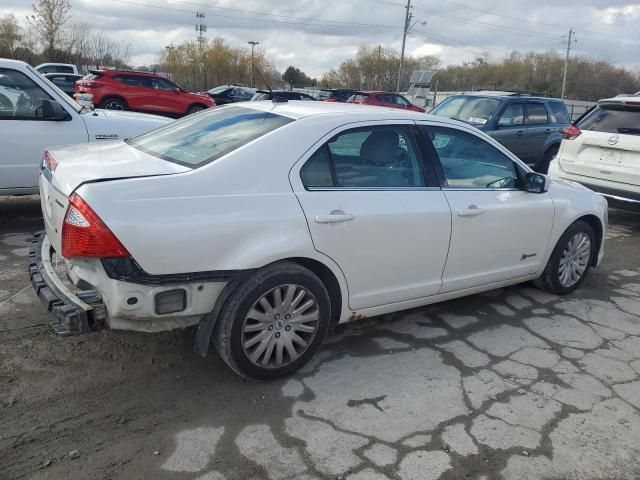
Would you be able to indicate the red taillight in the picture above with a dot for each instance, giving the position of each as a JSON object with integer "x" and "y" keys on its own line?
{"x": 85, "y": 235}
{"x": 571, "y": 132}
{"x": 49, "y": 162}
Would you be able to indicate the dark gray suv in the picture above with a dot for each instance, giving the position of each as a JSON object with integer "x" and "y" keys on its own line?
{"x": 531, "y": 127}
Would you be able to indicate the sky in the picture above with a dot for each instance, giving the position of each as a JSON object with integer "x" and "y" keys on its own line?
{"x": 316, "y": 35}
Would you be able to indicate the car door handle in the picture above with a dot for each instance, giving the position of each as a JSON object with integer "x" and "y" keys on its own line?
{"x": 470, "y": 211}
{"x": 334, "y": 218}
{"x": 519, "y": 133}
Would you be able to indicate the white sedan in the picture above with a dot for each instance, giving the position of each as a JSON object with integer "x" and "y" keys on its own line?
{"x": 265, "y": 224}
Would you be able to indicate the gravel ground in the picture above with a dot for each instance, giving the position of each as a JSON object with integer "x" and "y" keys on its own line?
{"x": 513, "y": 384}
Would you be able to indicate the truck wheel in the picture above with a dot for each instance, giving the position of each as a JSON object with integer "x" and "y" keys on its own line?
{"x": 570, "y": 261}
{"x": 113, "y": 103}
{"x": 274, "y": 322}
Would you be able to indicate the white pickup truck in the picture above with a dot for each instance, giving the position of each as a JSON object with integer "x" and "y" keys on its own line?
{"x": 35, "y": 114}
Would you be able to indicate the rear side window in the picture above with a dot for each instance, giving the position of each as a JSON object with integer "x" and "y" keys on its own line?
{"x": 368, "y": 157}
{"x": 619, "y": 118}
{"x": 536, "y": 114}
{"x": 559, "y": 112}
{"x": 200, "y": 139}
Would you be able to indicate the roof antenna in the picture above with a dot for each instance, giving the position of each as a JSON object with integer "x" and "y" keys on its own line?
{"x": 274, "y": 98}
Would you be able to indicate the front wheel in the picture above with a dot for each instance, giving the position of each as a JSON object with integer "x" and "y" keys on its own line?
{"x": 195, "y": 108}
{"x": 274, "y": 322}
{"x": 570, "y": 261}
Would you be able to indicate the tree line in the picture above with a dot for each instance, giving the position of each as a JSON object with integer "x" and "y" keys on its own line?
{"x": 51, "y": 34}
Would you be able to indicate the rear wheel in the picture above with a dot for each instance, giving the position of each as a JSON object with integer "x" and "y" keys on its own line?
{"x": 113, "y": 103}
{"x": 274, "y": 322}
{"x": 570, "y": 261}
{"x": 543, "y": 164}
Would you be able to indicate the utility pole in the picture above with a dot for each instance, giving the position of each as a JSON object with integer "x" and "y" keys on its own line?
{"x": 566, "y": 62}
{"x": 253, "y": 44}
{"x": 405, "y": 30}
{"x": 201, "y": 28}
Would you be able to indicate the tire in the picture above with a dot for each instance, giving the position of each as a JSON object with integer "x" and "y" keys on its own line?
{"x": 543, "y": 164}
{"x": 552, "y": 279}
{"x": 195, "y": 108}
{"x": 113, "y": 103}
{"x": 246, "y": 325}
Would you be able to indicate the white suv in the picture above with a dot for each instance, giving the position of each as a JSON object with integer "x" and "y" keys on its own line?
{"x": 602, "y": 150}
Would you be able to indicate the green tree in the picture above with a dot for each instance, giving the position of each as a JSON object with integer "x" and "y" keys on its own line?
{"x": 295, "y": 76}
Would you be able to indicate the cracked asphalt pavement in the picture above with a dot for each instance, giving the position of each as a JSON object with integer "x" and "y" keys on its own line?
{"x": 510, "y": 384}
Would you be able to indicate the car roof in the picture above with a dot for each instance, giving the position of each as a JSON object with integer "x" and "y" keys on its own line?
{"x": 299, "y": 109}
{"x": 504, "y": 95}
{"x": 624, "y": 99}
{"x": 128, "y": 72}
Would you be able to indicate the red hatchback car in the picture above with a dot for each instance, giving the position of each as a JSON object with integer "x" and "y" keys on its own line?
{"x": 384, "y": 99}
{"x": 143, "y": 91}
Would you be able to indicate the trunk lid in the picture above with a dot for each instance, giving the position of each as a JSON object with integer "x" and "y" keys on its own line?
{"x": 96, "y": 162}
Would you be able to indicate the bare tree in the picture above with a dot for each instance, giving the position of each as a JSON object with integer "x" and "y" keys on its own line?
{"x": 49, "y": 16}
{"x": 9, "y": 35}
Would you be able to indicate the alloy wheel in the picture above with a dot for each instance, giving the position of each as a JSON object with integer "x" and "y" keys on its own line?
{"x": 574, "y": 260}
{"x": 280, "y": 326}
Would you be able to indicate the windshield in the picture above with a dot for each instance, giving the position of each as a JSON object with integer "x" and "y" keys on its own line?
{"x": 219, "y": 89}
{"x": 261, "y": 96}
{"x": 474, "y": 110}
{"x": 63, "y": 96}
{"x": 202, "y": 138}
{"x": 618, "y": 118}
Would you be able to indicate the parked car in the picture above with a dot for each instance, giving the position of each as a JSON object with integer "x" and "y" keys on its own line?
{"x": 384, "y": 99}
{"x": 531, "y": 127}
{"x": 35, "y": 114}
{"x": 281, "y": 94}
{"x": 231, "y": 93}
{"x": 602, "y": 151}
{"x": 140, "y": 91}
{"x": 44, "y": 68}
{"x": 250, "y": 220}
{"x": 335, "y": 94}
{"x": 64, "y": 81}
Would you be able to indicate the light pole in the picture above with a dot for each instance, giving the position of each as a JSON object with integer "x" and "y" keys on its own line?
{"x": 253, "y": 44}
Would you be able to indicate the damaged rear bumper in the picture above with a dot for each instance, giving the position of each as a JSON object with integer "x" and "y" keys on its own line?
{"x": 72, "y": 312}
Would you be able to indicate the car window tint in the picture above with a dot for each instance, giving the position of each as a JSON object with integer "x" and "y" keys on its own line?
{"x": 618, "y": 118}
{"x": 469, "y": 161}
{"x": 375, "y": 157}
{"x": 401, "y": 100}
{"x": 161, "y": 83}
{"x": 200, "y": 139}
{"x": 316, "y": 172}
{"x": 536, "y": 114}
{"x": 20, "y": 97}
{"x": 559, "y": 112}
{"x": 513, "y": 115}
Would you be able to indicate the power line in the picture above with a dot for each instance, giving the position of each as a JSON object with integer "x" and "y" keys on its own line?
{"x": 309, "y": 22}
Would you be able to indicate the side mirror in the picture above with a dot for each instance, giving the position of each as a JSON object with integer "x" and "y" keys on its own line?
{"x": 535, "y": 182}
{"x": 52, "y": 110}
{"x": 177, "y": 90}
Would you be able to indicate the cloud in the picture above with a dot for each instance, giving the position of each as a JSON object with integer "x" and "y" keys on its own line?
{"x": 316, "y": 35}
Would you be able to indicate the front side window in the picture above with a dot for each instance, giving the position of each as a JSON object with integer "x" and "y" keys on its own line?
{"x": 400, "y": 100}
{"x": 200, "y": 139}
{"x": 512, "y": 116}
{"x": 161, "y": 83}
{"x": 20, "y": 97}
{"x": 469, "y": 162}
{"x": 536, "y": 114}
{"x": 369, "y": 157}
